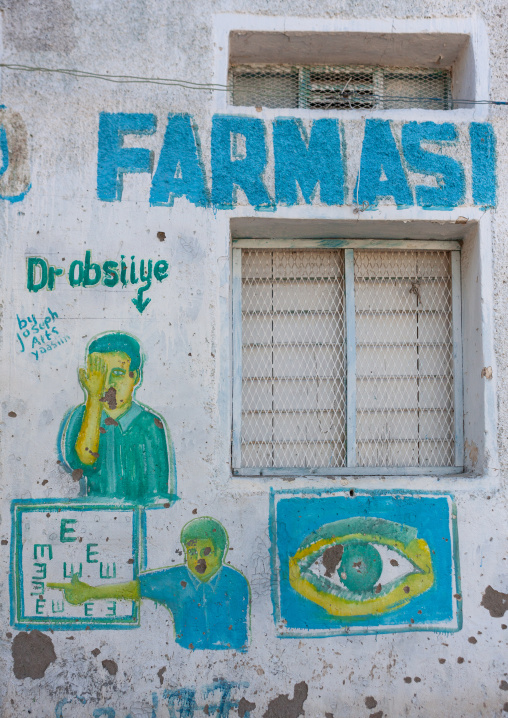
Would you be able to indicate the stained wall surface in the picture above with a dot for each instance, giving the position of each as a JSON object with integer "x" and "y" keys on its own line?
{"x": 145, "y": 572}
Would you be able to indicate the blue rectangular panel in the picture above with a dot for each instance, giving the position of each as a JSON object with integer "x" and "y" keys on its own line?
{"x": 364, "y": 562}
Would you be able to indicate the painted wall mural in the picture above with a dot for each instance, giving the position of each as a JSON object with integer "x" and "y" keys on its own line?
{"x": 56, "y": 541}
{"x": 38, "y": 337}
{"x": 365, "y": 562}
{"x": 217, "y": 699}
{"x": 77, "y": 565}
{"x": 342, "y": 562}
{"x": 121, "y": 448}
{"x": 15, "y": 169}
{"x": 40, "y": 274}
{"x": 240, "y": 156}
{"x": 311, "y": 159}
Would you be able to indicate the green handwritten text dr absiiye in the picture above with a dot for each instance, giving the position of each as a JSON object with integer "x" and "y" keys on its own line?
{"x": 41, "y": 274}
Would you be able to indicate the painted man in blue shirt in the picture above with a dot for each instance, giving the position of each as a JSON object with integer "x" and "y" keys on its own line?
{"x": 210, "y": 602}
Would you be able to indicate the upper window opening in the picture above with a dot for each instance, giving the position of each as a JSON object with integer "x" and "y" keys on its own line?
{"x": 352, "y": 70}
{"x": 335, "y": 87}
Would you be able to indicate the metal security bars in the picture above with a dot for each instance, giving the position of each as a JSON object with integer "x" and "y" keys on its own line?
{"x": 346, "y": 360}
{"x": 293, "y": 358}
{"x": 404, "y": 359}
{"x": 340, "y": 87}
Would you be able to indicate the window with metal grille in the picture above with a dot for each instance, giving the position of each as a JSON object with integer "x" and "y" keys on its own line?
{"x": 347, "y": 360}
{"x": 336, "y": 87}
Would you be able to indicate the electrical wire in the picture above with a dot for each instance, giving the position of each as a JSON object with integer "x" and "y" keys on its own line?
{"x": 397, "y": 98}
{"x": 218, "y": 87}
{"x": 188, "y": 84}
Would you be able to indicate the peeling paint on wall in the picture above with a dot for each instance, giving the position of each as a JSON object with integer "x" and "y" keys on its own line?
{"x": 32, "y": 653}
{"x": 15, "y": 170}
{"x": 496, "y": 602}
{"x": 285, "y": 707}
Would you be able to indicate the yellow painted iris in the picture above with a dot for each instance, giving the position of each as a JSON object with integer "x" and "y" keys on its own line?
{"x": 353, "y": 595}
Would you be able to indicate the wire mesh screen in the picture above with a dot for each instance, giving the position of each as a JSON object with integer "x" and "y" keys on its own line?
{"x": 293, "y": 358}
{"x": 404, "y": 358}
{"x": 340, "y": 87}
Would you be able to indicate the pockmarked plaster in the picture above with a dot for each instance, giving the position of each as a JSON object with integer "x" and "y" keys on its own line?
{"x": 119, "y": 207}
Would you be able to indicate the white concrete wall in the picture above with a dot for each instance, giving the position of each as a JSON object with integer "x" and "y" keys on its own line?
{"x": 185, "y": 333}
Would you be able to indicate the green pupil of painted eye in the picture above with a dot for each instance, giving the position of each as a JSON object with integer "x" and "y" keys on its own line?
{"x": 361, "y": 567}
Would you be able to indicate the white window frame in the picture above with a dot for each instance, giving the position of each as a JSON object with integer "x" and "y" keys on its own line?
{"x": 454, "y": 247}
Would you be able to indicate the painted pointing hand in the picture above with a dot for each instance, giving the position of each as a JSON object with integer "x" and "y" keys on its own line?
{"x": 75, "y": 592}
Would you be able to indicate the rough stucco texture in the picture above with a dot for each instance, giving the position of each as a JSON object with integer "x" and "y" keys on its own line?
{"x": 185, "y": 331}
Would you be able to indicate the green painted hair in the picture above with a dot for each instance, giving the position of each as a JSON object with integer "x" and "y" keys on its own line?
{"x": 205, "y": 528}
{"x": 118, "y": 342}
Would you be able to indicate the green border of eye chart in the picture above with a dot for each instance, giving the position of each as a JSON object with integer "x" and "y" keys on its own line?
{"x": 18, "y": 618}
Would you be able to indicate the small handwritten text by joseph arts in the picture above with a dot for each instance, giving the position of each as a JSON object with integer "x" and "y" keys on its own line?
{"x": 39, "y": 337}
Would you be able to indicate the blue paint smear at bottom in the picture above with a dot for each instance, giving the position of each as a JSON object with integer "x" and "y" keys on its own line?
{"x": 298, "y": 517}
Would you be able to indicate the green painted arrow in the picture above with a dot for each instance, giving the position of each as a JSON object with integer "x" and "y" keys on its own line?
{"x": 138, "y": 301}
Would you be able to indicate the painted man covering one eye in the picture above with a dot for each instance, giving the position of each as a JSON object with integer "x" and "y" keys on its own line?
{"x": 209, "y": 602}
{"x": 122, "y": 448}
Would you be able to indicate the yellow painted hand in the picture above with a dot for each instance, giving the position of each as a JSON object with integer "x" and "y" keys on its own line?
{"x": 76, "y": 591}
{"x": 93, "y": 378}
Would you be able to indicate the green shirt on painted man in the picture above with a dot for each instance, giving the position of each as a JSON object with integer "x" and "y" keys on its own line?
{"x": 123, "y": 449}
{"x": 136, "y": 457}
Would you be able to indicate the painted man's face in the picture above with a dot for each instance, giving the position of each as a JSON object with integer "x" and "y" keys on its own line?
{"x": 120, "y": 381}
{"x": 203, "y": 559}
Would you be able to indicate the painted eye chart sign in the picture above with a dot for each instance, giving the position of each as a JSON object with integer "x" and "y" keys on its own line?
{"x": 56, "y": 545}
{"x": 371, "y": 562}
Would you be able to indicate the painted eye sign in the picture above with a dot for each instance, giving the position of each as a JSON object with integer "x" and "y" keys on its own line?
{"x": 374, "y": 562}
{"x": 361, "y": 566}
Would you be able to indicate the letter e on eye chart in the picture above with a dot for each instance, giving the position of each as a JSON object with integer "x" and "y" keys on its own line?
{"x": 364, "y": 562}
